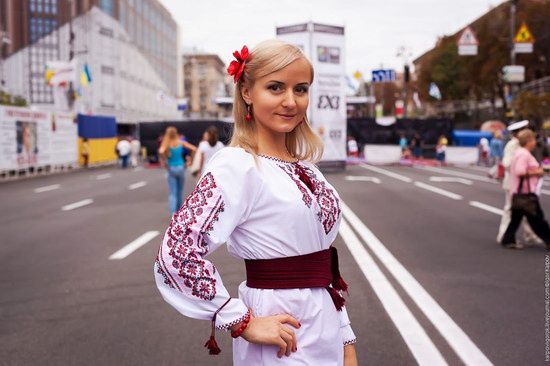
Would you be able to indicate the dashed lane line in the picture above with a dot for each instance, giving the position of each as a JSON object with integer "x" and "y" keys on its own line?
{"x": 456, "y": 174}
{"x": 47, "y": 188}
{"x": 387, "y": 173}
{"x": 421, "y": 346}
{"x": 134, "y": 245}
{"x": 78, "y": 204}
{"x": 103, "y": 176}
{"x": 360, "y": 178}
{"x": 459, "y": 341}
{"x": 437, "y": 190}
{"x": 137, "y": 185}
{"x": 483, "y": 206}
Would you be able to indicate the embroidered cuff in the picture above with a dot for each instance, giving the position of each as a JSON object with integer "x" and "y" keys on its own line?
{"x": 348, "y": 337}
{"x": 234, "y": 312}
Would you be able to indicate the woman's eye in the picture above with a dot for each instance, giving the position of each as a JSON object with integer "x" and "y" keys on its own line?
{"x": 275, "y": 87}
{"x": 301, "y": 89}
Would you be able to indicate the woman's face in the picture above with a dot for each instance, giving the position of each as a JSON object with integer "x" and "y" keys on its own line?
{"x": 280, "y": 100}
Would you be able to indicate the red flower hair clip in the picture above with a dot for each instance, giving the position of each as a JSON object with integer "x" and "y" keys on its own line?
{"x": 236, "y": 68}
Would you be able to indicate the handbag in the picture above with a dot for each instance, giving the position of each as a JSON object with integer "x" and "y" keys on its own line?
{"x": 528, "y": 203}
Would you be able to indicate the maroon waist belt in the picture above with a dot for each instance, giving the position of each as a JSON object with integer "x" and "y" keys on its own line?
{"x": 319, "y": 269}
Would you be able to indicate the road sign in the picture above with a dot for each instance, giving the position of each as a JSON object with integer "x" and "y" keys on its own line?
{"x": 383, "y": 75}
{"x": 467, "y": 43}
{"x": 523, "y": 41}
{"x": 513, "y": 74}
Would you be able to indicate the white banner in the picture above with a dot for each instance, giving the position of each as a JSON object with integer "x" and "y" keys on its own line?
{"x": 35, "y": 138}
{"x": 325, "y": 47}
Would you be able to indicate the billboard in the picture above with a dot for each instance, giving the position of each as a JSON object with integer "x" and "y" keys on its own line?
{"x": 30, "y": 138}
{"x": 324, "y": 45}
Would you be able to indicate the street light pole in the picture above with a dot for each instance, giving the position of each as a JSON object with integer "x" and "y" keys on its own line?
{"x": 512, "y": 50}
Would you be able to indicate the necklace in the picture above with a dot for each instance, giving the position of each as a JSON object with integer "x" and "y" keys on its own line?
{"x": 277, "y": 159}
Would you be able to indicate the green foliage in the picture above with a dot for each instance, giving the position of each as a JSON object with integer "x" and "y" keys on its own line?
{"x": 479, "y": 77}
{"x": 13, "y": 100}
{"x": 535, "y": 108}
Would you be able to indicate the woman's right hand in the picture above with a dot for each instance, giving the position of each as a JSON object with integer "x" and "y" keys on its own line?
{"x": 272, "y": 330}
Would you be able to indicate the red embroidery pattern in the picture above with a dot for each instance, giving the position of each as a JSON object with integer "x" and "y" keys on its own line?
{"x": 186, "y": 242}
{"x": 229, "y": 325}
{"x": 326, "y": 198}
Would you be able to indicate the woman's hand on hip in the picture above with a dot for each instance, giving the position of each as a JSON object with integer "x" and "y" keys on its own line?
{"x": 273, "y": 330}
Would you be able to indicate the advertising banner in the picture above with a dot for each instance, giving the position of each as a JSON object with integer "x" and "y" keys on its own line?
{"x": 325, "y": 47}
{"x": 30, "y": 138}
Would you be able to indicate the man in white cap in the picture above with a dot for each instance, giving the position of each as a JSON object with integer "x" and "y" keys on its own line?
{"x": 509, "y": 150}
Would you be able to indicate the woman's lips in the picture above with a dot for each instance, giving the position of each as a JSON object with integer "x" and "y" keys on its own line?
{"x": 286, "y": 116}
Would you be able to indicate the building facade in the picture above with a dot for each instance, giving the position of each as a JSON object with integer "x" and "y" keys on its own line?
{"x": 205, "y": 81}
{"x": 148, "y": 24}
{"x": 123, "y": 82}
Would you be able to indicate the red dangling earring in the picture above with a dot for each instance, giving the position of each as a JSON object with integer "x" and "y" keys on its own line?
{"x": 248, "y": 116}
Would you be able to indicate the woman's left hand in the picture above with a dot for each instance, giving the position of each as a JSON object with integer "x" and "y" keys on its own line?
{"x": 350, "y": 357}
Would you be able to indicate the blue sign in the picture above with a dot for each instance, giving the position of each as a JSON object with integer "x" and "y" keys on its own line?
{"x": 383, "y": 75}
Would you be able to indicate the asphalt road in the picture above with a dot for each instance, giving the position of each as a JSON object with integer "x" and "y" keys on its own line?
{"x": 429, "y": 284}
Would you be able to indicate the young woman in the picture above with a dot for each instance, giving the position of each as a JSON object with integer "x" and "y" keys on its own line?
{"x": 265, "y": 197}
{"x": 171, "y": 155}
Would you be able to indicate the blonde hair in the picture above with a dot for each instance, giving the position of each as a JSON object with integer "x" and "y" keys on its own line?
{"x": 266, "y": 58}
{"x": 497, "y": 134}
{"x": 170, "y": 136}
{"x": 525, "y": 136}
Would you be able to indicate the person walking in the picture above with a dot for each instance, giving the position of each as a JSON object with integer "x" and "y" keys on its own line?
{"x": 85, "y": 152}
{"x": 441, "y": 149}
{"x": 209, "y": 146}
{"x": 525, "y": 173}
{"x": 123, "y": 149}
{"x": 496, "y": 152}
{"x": 509, "y": 151}
{"x": 265, "y": 197}
{"x": 171, "y": 156}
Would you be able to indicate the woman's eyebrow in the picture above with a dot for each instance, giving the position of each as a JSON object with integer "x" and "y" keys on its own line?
{"x": 305, "y": 83}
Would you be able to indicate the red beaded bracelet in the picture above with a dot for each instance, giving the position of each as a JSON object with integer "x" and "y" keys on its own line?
{"x": 237, "y": 333}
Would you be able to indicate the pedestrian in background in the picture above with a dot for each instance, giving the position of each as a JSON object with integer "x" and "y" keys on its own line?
{"x": 441, "y": 149}
{"x": 123, "y": 149}
{"x": 417, "y": 144}
{"x": 483, "y": 152}
{"x": 496, "y": 151}
{"x": 265, "y": 197}
{"x": 353, "y": 148}
{"x": 509, "y": 151}
{"x": 403, "y": 142}
{"x": 171, "y": 156}
{"x": 135, "y": 151}
{"x": 209, "y": 145}
{"x": 85, "y": 152}
{"x": 525, "y": 173}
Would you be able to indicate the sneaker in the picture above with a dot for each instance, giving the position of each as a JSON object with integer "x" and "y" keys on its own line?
{"x": 513, "y": 246}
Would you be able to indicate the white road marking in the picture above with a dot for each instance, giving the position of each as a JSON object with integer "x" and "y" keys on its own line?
{"x": 361, "y": 178}
{"x": 387, "y": 173}
{"x": 547, "y": 184}
{"x": 46, "y": 188}
{"x": 457, "y": 174}
{"x": 137, "y": 185}
{"x": 440, "y": 191}
{"x": 78, "y": 204}
{"x": 451, "y": 180}
{"x": 459, "y": 341}
{"x": 421, "y": 346}
{"x": 134, "y": 245}
{"x": 483, "y": 206}
{"x": 475, "y": 168}
{"x": 545, "y": 192}
{"x": 104, "y": 176}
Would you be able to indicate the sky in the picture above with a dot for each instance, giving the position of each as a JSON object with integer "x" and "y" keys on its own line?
{"x": 375, "y": 29}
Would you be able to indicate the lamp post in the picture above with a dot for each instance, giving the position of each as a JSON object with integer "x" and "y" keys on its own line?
{"x": 512, "y": 50}
{"x": 4, "y": 39}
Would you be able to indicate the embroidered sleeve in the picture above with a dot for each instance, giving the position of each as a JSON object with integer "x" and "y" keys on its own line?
{"x": 217, "y": 205}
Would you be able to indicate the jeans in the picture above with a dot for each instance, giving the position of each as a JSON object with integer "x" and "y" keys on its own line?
{"x": 124, "y": 161}
{"x": 176, "y": 177}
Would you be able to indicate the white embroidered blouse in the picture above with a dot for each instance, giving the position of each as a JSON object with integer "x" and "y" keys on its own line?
{"x": 262, "y": 210}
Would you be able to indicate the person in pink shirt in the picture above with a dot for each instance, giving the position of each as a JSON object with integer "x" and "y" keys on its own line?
{"x": 525, "y": 173}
